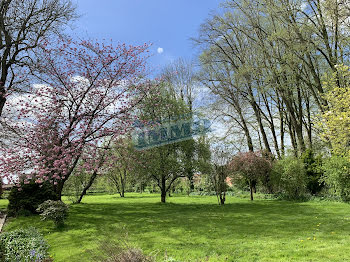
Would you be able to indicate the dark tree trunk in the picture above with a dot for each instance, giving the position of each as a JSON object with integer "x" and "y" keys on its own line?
{"x": 122, "y": 192}
{"x": 58, "y": 189}
{"x": 91, "y": 181}
{"x": 254, "y": 186}
{"x": 122, "y": 183}
{"x": 222, "y": 198}
{"x": 191, "y": 183}
{"x": 251, "y": 193}
{"x": 163, "y": 190}
{"x": 2, "y": 102}
{"x": 251, "y": 189}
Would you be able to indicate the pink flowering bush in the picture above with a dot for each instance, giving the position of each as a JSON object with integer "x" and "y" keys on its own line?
{"x": 250, "y": 167}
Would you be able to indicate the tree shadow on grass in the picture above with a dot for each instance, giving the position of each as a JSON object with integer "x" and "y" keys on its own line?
{"x": 188, "y": 226}
{"x": 254, "y": 218}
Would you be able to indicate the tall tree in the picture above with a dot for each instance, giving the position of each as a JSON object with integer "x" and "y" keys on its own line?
{"x": 86, "y": 96}
{"x": 23, "y": 24}
{"x": 182, "y": 81}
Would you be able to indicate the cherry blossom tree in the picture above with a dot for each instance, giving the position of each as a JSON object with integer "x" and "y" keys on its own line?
{"x": 84, "y": 95}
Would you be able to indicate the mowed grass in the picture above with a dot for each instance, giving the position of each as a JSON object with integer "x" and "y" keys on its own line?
{"x": 197, "y": 229}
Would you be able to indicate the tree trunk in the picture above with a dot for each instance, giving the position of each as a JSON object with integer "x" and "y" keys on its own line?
{"x": 2, "y": 102}
{"x": 58, "y": 189}
{"x": 92, "y": 179}
{"x": 261, "y": 127}
{"x": 191, "y": 183}
{"x": 122, "y": 183}
{"x": 251, "y": 190}
{"x": 163, "y": 190}
{"x": 222, "y": 198}
{"x": 122, "y": 192}
{"x": 254, "y": 185}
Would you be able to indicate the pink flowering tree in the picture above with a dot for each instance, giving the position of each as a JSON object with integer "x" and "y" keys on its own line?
{"x": 251, "y": 167}
{"x": 83, "y": 94}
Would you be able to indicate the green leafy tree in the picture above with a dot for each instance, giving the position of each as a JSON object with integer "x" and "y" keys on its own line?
{"x": 336, "y": 177}
{"x": 335, "y": 120}
{"x": 165, "y": 163}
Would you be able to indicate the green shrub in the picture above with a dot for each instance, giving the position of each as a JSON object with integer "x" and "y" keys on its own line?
{"x": 23, "y": 245}
{"x": 56, "y": 211}
{"x": 289, "y": 178}
{"x": 26, "y": 199}
{"x": 337, "y": 177}
{"x": 313, "y": 165}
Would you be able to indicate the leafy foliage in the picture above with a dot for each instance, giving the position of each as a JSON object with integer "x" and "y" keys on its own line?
{"x": 313, "y": 165}
{"x": 336, "y": 118}
{"x": 337, "y": 176}
{"x": 25, "y": 245}
{"x": 250, "y": 167}
{"x": 53, "y": 210}
{"x": 27, "y": 198}
{"x": 289, "y": 177}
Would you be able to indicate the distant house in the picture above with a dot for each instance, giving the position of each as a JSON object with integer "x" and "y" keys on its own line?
{"x": 228, "y": 181}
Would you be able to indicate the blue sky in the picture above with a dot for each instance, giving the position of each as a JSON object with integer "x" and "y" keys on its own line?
{"x": 168, "y": 24}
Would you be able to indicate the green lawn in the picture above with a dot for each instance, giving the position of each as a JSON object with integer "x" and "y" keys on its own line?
{"x": 197, "y": 229}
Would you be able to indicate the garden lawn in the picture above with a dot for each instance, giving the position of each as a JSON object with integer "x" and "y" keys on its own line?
{"x": 197, "y": 229}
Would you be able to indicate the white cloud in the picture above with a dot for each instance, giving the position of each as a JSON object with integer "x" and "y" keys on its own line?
{"x": 160, "y": 50}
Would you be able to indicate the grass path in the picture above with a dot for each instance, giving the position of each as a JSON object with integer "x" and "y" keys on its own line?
{"x": 197, "y": 229}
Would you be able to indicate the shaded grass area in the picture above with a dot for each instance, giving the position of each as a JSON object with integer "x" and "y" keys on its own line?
{"x": 197, "y": 229}
{"x": 3, "y": 204}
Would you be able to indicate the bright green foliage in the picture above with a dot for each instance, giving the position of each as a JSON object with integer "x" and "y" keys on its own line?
{"x": 336, "y": 118}
{"x": 289, "y": 177}
{"x": 23, "y": 245}
{"x": 337, "y": 176}
{"x": 53, "y": 210}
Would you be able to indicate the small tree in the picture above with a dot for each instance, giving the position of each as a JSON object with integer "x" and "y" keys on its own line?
{"x": 251, "y": 167}
{"x": 163, "y": 163}
{"x": 218, "y": 171}
{"x": 124, "y": 156}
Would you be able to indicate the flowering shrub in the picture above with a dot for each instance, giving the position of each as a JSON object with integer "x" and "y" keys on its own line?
{"x": 53, "y": 210}
{"x": 25, "y": 245}
{"x": 249, "y": 168}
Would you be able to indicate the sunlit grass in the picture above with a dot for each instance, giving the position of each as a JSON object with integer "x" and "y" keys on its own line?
{"x": 197, "y": 229}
